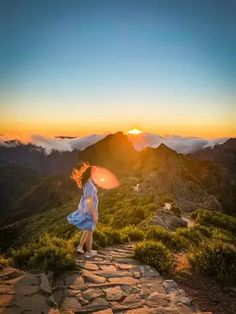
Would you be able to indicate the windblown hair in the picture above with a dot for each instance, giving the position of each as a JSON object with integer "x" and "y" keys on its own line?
{"x": 81, "y": 175}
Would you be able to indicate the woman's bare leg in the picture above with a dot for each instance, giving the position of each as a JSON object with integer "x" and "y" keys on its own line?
{"x": 83, "y": 239}
{"x": 89, "y": 241}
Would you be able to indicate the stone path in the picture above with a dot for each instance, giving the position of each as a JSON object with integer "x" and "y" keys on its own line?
{"x": 22, "y": 292}
{"x": 111, "y": 282}
{"x": 114, "y": 282}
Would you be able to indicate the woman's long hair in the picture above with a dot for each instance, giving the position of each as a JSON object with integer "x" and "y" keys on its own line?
{"x": 81, "y": 175}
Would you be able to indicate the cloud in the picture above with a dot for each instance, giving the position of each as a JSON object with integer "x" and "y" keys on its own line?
{"x": 180, "y": 144}
{"x": 63, "y": 143}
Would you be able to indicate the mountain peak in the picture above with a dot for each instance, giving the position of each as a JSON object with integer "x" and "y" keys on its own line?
{"x": 166, "y": 149}
{"x": 230, "y": 144}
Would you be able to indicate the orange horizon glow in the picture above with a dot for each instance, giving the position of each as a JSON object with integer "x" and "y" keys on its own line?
{"x": 25, "y": 135}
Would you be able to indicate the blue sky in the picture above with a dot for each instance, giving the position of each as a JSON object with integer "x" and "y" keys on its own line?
{"x": 94, "y": 66}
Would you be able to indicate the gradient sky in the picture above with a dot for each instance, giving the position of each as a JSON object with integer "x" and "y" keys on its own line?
{"x": 77, "y": 67}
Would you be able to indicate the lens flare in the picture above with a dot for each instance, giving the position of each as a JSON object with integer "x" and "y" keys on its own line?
{"x": 104, "y": 178}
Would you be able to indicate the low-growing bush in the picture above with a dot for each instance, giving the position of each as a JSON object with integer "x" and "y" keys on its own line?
{"x": 155, "y": 254}
{"x": 3, "y": 261}
{"x": 217, "y": 219}
{"x": 169, "y": 239}
{"x": 223, "y": 235}
{"x": 20, "y": 257}
{"x": 216, "y": 260}
{"x": 132, "y": 233}
{"x": 53, "y": 254}
{"x": 52, "y": 258}
{"x": 113, "y": 235}
{"x": 99, "y": 239}
{"x": 192, "y": 236}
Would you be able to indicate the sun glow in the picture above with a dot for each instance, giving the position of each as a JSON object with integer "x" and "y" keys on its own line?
{"x": 134, "y": 131}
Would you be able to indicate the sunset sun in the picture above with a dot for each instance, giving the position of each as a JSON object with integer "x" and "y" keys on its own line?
{"x": 134, "y": 131}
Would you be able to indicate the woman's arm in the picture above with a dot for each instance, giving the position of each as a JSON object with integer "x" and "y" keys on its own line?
{"x": 92, "y": 209}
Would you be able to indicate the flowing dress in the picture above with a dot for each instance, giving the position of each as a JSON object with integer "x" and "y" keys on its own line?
{"x": 82, "y": 217}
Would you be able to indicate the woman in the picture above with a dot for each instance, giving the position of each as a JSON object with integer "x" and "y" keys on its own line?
{"x": 86, "y": 216}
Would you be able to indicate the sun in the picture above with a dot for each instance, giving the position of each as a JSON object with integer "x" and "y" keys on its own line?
{"x": 134, "y": 131}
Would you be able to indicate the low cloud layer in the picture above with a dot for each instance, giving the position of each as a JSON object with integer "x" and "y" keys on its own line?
{"x": 178, "y": 143}
{"x": 65, "y": 144}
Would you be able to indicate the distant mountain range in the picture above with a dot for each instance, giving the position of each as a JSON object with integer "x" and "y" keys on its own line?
{"x": 223, "y": 155}
{"x": 33, "y": 181}
{"x": 140, "y": 141}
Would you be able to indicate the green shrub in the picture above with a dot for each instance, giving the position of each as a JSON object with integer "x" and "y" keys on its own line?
{"x": 53, "y": 254}
{"x": 223, "y": 235}
{"x": 205, "y": 231}
{"x": 169, "y": 239}
{"x": 113, "y": 236}
{"x": 47, "y": 240}
{"x": 216, "y": 260}
{"x": 155, "y": 254}
{"x": 52, "y": 258}
{"x": 20, "y": 257}
{"x": 217, "y": 219}
{"x": 75, "y": 240}
{"x": 99, "y": 239}
{"x": 132, "y": 233}
{"x": 192, "y": 236}
{"x": 3, "y": 261}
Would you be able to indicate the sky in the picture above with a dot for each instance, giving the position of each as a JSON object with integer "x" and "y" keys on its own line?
{"x": 94, "y": 66}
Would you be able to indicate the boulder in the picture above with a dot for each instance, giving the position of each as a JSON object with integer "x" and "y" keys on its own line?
{"x": 168, "y": 220}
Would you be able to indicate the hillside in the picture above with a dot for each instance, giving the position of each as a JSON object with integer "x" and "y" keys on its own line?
{"x": 41, "y": 193}
{"x": 222, "y": 154}
{"x": 189, "y": 183}
{"x": 15, "y": 181}
{"x": 36, "y": 158}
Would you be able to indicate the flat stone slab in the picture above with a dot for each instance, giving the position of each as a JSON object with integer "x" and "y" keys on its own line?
{"x": 74, "y": 279}
{"x": 26, "y": 289}
{"x": 124, "y": 280}
{"x": 6, "y": 300}
{"x": 71, "y": 303}
{"x": 157, "y": 299}
{"x": 91, "y": 277}
{"x": 107, "y": 311}
{"x": 97, "y": 304}
{"x": 113, "y": 274}
{"x": 10, "y": 273}
{"x": 132, "y": 301}
{"x": 6, "y": 289}
{"x": 142, "y": 310}
{"x": 124, "y": 266}
{"x": 89, "y": 266}
{"x": 114, "y": 293}
{"x": 44, "y": 284}
{"x": 36, "y": 302}
{"x": 127, "y": 261}
{"x": 108, "y": 268}
{"x": 170, "y": 285}
{"x": 92, "y": 293}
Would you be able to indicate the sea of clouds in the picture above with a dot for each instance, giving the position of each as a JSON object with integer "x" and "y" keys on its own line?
{"x": 180, "y": 144}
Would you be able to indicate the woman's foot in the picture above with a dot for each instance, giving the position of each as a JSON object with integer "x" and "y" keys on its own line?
{"x": 92, "y": 253}
{"x": 80, "y": 249}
